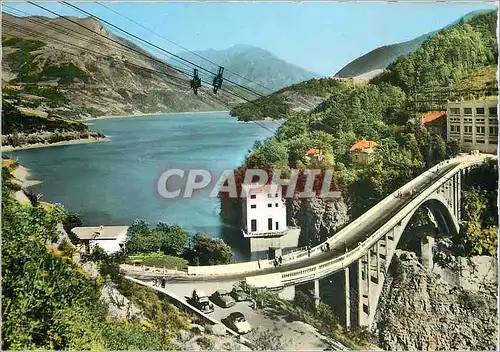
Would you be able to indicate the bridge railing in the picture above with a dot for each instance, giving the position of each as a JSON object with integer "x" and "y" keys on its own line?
{"x": 255, "y": 266}
{"x": 362, "y": 218}
{"x": 317, "y": 271}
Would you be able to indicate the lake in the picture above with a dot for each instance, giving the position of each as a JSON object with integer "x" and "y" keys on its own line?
{"x": 115, "y": 182}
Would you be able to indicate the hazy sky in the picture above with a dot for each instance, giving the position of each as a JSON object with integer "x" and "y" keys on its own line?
{"x": 320, "y": 36}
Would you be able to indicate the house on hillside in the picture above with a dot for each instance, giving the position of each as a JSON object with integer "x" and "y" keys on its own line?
{"x": 363, "y": 150}
{"x": 435, "y": 123}
{"x": 110, "y": 238}
{"x": 314, "y": 154}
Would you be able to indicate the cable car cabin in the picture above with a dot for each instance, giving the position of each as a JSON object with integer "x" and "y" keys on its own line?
{"x": 218, "y": 80}
{"x": 195, "y": 82}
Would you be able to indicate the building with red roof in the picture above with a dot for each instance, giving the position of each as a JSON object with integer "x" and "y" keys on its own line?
{"x": 435, "y": 122}
{"x": 362, "y": 150}
{"x": 314, "y": 153}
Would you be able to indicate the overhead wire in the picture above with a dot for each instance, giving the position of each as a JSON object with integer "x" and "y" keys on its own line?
{"x": 30, "y": 30}
{"x": 182, "y": 47}
{"x": 76, "y": 35}
{"x": 156, "y": 46}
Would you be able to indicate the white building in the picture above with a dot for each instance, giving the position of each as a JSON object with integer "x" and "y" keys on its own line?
{"x": 264, "y": 214}
{"x": 109, "y": 238}
{"x": 474, "y": 124}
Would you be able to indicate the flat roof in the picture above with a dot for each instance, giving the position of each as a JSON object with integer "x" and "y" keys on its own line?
{"x": 100, "y": 232}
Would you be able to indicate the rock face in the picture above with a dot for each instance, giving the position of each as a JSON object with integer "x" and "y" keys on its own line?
{"x": 119, "y": 306}
{"x": 97, "y": 77}
{"x": 318, "y": 218}
{"x": 421, "y": 310}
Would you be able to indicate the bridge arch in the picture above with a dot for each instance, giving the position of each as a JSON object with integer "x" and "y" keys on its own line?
{"x": 438, "y": 206}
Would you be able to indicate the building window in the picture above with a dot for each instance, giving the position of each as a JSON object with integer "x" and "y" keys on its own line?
{"x": 467, "y": 129}
{"x": 253, "y": 206}
{"x": 467, "y": 140}
{"x": 493, "y": 141}
{"x": 467, "y": 111}
{"x": 493, "y": 111}
{"x": 276, "y": 195}
{"x": 494, "y": 131}
{"x": 270, "y": 205}
{"x": 269, "y": 195}
{"x": 270, "y": 224}
{"x": 253, "y": 196}
{"x": 277, "y": 225}
{"x": 480, "y": 141}
{"x": 480, "y": 121}
{"x": 493, "y": 122}
{"x": 480, "y": 129}
{"x": 276, "y": 205}
{"x": 253, "y": 225}
{"x": 455, "y": 111}
{"x": 479, "y": 111}
{"x": 455, "y": 128}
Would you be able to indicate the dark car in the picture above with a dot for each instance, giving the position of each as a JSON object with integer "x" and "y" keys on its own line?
{"x": 239, "y": 295}
{"x": 222, "y": 298}
{"x": 201, "y": 302}
{"x": 236, "y": 321}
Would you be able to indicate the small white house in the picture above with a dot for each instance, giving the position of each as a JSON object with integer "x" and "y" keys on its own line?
{"x": 264, "y": 213}
{"x": 109, "y": 238}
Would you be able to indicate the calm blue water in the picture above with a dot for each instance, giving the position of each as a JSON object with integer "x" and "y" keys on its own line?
{"x": 115, "y": 182}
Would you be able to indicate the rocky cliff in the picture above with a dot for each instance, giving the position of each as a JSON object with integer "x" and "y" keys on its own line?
{"x": 318, "y": 218}
{"x": 441, "y": 313}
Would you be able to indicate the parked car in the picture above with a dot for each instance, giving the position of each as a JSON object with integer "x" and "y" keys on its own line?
{"x": 222, "y": 298}
{"x": 239, "y": 295}
{"x": 236, "y": 321}
{"x": 200, "y": 300}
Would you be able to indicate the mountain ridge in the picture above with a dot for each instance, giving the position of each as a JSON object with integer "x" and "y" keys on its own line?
{"x": 383, "y": 56}
{"x": 259, "y": 65}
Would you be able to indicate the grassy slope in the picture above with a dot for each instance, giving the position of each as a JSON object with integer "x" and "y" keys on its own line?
{"x": 381, "y": 57}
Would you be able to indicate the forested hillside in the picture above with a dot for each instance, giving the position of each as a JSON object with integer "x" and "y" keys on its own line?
{"x": 448, "y": 56}
{"x": 299, "y": 97}
{"x": 381, "y": 57}
{"x": 50, "y": 303}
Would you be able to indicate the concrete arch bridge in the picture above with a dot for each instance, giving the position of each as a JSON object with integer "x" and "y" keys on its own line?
{"x": 362, "y": 250}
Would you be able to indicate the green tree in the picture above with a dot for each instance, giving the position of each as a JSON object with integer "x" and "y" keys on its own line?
{"x": 174, "y": 238}
{"x": 209, "y": 251}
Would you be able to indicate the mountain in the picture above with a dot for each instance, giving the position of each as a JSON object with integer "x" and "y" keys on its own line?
{"x": 462, "y": 56}
{"x": 64, "y": 69}
{"x": 254, "y": 63}
{"x": 381, "y": 57}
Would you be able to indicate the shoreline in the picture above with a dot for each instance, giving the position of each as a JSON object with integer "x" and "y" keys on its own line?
{"x": 9, "y": 148}
{"x": 104, "y": 117}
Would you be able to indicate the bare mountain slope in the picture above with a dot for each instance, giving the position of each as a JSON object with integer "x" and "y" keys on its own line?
{"x": 94, "y": 75}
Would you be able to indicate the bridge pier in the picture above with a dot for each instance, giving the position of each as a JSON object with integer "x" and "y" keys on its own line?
{"x": 360, "y": 293}
{"x": 427, "y": 243}
{"x": 316, "y": 293}
{"x": 347, "y": 302}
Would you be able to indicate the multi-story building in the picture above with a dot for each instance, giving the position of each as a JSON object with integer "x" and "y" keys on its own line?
{"x": 264, "y": 223}
{"x": 474, "y": 123}
{"x": 264, "y": 214}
